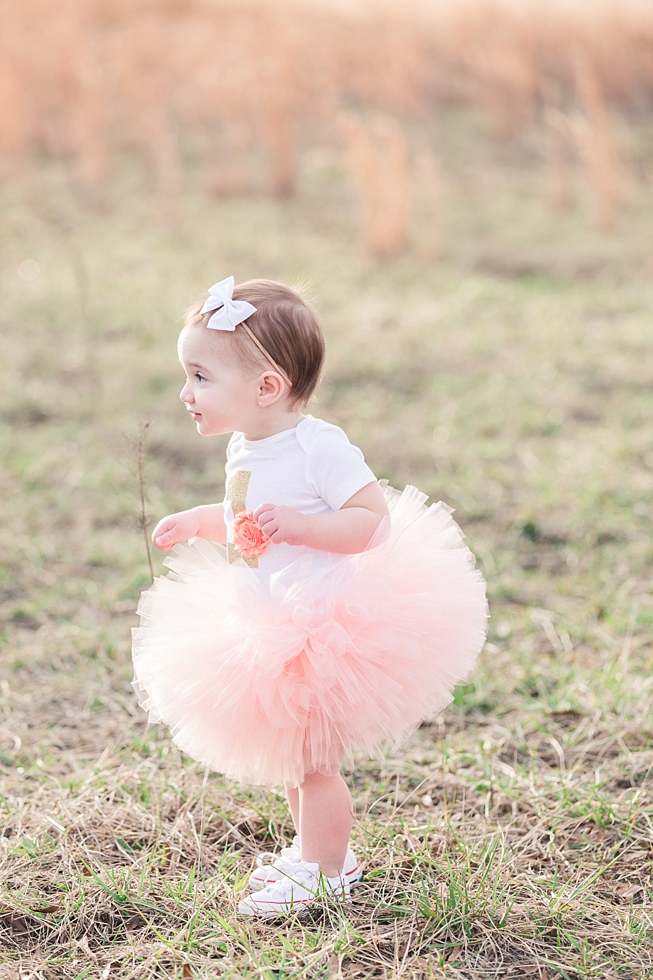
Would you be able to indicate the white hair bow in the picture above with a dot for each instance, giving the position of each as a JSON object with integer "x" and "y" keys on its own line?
{"x": 229, "y": 312}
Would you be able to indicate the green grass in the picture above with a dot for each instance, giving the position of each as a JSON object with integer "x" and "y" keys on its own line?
{"x": 511, "y": 377}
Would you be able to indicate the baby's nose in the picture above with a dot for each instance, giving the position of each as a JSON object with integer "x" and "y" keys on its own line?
{"x": 186, "y": 396}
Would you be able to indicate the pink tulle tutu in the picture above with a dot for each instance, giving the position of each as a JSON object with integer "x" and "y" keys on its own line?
{"x": 267, "y": 685}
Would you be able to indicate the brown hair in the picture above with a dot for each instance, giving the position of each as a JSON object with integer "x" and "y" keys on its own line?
{"x": 286, "y": 326}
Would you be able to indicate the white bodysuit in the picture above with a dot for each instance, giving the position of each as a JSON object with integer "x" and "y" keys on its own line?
{"x": 312, "y": 468}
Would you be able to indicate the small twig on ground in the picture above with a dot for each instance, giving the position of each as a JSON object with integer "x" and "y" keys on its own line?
{"x": 140, "y": 457}
{"x": 199, "y": 838}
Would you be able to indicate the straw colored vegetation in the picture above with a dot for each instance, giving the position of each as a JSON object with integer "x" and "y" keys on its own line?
{"x": 243, "y": 85}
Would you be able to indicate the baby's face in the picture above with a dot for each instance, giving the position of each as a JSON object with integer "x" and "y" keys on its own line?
{"x": 218, "y": 393}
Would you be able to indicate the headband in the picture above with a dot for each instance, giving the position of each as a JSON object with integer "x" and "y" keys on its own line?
{"x": 229, "y": 313}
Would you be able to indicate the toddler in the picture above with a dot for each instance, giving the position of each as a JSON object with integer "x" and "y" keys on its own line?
{"x": 313, "y": 610}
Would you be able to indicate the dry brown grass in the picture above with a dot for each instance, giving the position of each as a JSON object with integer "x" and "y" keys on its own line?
{"x": 479, "y": 862}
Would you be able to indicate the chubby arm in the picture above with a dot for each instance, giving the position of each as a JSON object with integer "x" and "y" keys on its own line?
{"x": 347, "y": 531}
{"x": 206, "y": 521}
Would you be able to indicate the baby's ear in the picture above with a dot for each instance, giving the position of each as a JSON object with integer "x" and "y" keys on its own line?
{"x": 271, "y": 388}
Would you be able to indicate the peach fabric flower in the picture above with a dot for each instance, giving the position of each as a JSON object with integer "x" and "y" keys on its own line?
{"x": 250, "y": 539}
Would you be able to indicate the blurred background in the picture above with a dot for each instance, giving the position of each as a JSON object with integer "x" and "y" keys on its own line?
{"x": 465, "y": 190}
{"x": 243, "y": 98}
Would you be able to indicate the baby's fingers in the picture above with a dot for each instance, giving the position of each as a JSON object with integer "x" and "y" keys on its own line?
{"x": 165, "y": 542}
{"x": 263, "y": 509}
{"x": 163, "y": 535}
{"x": 162, "y": 527}
{"x": 267, "y": 517}
{"x": 272, "y": 529}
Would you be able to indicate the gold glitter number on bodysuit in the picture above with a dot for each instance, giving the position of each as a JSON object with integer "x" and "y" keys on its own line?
{"x": 237, "y": 494}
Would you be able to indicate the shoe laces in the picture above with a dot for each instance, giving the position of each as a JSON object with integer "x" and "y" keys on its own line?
{"x": 262, "y": 858}
{"x": 295, "y": 874}
{"x": 286, "y": 859}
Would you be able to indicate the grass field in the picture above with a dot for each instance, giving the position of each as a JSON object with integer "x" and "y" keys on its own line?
{"x": 502, "y": 364}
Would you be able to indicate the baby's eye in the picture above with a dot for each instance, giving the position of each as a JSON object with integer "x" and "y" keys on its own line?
{"x": 200, "y": 377}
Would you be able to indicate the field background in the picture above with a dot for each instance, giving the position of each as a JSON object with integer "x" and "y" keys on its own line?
{"x": 491, "y": 344}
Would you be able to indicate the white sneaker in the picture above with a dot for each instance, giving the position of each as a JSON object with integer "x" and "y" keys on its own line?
{"x": 294, "y": 891}
{"x": 280, "y": 866}
{"x": 270, "y": 867}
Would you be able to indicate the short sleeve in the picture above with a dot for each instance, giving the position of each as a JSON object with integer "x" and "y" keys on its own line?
{"x": 335, "y": 469}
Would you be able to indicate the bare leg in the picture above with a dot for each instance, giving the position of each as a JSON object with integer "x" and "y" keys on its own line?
{"x": 325, "y": 819}
{"x": 292, "y": 795}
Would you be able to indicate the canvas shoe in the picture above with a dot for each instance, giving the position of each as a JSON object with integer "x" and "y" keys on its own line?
{"x": 270, "y": 867}
{"x": 281, "y": 864}
{"x": 294, "y": 892}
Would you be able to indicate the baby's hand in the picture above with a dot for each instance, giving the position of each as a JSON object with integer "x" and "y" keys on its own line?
{"x": 282, "y": 524}
{"x": 174, "y": 528}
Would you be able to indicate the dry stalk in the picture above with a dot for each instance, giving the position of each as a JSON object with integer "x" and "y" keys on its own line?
{"x": 558, "y": 132}
{"x": 234, "y": 173}
{"x": 428, "y": 199}
{"x": 90, "y": 113}
{"x": 140, "y": 459}
{"x": 279, "y": 130}
{"x": 277, "y": 85}
{"x": 596, "y": 145}
{"x": 380, "y": 165}
{"x": 502, "y": 67}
